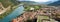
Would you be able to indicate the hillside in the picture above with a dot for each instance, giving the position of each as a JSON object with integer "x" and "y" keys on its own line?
{"x": 6, "y": 3}
{"x": 55, "y": 4}
{"x": 9, "y": 6}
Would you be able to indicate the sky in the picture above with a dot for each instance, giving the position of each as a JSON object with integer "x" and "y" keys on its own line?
{"x": 44, "y": 0}
{"x": 41, "y": 1}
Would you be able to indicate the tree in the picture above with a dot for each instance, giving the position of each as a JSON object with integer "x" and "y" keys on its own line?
{"x": 37, "y": 7}
{"x": 9, "y": 5}
{"x": 6, "y": 3}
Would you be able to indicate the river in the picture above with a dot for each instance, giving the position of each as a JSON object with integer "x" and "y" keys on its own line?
{"x": 13, "y": 15}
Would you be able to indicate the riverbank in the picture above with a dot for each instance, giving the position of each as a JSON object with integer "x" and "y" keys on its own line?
{"x": 8, "y": 11}
{"x": 48, "y": 11}
{"x": 14, "y": 14}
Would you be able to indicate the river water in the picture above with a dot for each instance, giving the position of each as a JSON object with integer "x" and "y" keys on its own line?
{"x": 13, "y": 15}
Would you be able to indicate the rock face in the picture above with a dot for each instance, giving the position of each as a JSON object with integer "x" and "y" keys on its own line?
{"x": 2, "y": 9}
{"x": 48, "y": 11}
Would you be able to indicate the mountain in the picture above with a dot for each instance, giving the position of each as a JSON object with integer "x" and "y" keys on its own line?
{"x": 28, "y": 2}
{"x": 55, "y": 4}
{"x": 31, "y": 2}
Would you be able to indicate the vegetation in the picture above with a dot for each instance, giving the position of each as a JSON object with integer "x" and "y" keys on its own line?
{"x": 41, "y": 18}
{"x": 27, "y": 8}
{"x": 6, "y": 3}
{"x": 13, "y": 5}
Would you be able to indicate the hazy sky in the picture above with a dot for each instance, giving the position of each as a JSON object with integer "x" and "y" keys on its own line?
{"x": 49, "y": 1}
{"x": 40, "y": 0}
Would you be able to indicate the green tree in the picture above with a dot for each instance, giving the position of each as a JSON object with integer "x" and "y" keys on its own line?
{"x": 6, "y": 3}
{"x": 37, "y": 7}
{"x": 27, "y": 8}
